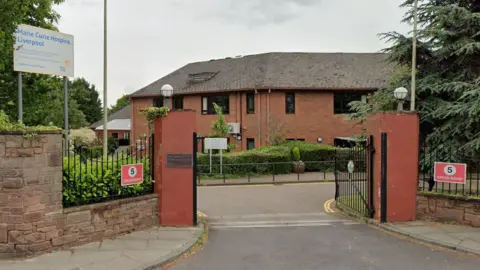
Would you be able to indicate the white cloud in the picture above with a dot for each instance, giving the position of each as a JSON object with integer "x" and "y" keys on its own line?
{"x": 149, "y": 38}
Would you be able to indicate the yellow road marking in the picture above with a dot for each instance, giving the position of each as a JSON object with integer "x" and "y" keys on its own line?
{"x": 325, "y": 207}
{"x": 265, "y": 185}
{"x": 328, "y": 206}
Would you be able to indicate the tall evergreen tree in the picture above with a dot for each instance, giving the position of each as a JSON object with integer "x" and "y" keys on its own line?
{"x": 448, "y": 69}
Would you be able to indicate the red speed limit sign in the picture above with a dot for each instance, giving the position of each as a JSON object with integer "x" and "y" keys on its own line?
{"x": 132, "y": 174}
{"x": 455, "y": 173}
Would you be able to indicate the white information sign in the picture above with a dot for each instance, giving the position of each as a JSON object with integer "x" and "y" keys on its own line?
{"x": 43, "y": 51}
{"x": 216, "y": 143}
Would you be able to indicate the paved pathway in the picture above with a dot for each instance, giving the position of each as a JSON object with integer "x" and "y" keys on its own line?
{"x": 462, "y": 238}
{"x": 139, "y": 250}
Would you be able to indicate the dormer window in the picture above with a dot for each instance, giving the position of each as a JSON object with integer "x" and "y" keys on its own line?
{"x": 200, "y": 77}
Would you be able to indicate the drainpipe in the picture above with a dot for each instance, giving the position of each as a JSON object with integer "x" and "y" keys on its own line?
{"x": 268, "y": 116}
{"x": 241, "y": 120}
{"x": 259, "y": 126}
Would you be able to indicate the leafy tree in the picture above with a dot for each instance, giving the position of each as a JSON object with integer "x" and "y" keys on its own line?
{"x": 44, "y": 102}
{"x": 87, "y": 98}
{"x": 42, "y": 94}
{"x": 276, "y": 131}
{"x": 121, "y": 103}
{"x": 448, "y": 84}
{"x": 219, "y": 126}
{"x": 13, "y": 12}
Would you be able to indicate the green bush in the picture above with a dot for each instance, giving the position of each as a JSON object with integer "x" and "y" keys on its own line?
{"x": 296, "y": 154}
{"x": 94, "y": 181}
{"x": 317, "y": 157}
{"x": 94, "y": 152}
{"x": 261, "y": 161}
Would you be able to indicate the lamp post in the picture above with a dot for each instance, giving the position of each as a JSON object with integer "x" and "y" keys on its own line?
{"x": 400, "y": 95}
{"x": 105, "y": 110}
{"x": 167, "y": 92}
{"x": 414, "y": 55}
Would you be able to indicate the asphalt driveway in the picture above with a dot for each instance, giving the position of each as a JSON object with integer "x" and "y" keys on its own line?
{"x": 264, "y": 199}
{"x": 286, "y": 227}
{"x": 334, "y": 247}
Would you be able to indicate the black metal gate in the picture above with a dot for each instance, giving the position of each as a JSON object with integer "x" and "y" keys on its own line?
{"x": 354, "y": 178}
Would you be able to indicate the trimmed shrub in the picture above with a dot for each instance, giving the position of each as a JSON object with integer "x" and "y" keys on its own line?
{"x": 296, "y": 154}
{"x": 317, "y": 157}
{"x": 98, "y": 181}
{"x": 278, "y": 159}
{"x": 263, "y": 161}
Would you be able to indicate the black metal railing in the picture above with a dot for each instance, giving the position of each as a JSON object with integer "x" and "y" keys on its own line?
{"x": 428, "y": 156}
{"x": 89, "y": 177}
{"x": 352, "y": 185}
{"x": 259, "y": 173}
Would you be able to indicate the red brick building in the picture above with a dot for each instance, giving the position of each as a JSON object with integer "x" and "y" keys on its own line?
{"x": 301, "y": 96}
{"x": 118, "y": 126}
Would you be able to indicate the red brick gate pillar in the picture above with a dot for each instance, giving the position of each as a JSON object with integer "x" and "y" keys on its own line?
{"x": 173, "y": 168}
{"x": 402, "y": 145}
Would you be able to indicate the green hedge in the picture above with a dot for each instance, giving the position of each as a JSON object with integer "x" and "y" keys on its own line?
{"x": 317, "y": 158}
{"x": 97, "y": 181}
{"x": 253, "y": 162}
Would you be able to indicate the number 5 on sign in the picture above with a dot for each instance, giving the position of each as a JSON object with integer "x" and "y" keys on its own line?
{"x": 132, "y": 174}
{"x": 455, "y": 173}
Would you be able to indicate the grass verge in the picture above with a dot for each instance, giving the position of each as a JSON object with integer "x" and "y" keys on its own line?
{"x": 355, "y": 203}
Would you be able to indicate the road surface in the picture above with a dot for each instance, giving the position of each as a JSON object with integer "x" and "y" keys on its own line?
{"x": 285, "y": 227}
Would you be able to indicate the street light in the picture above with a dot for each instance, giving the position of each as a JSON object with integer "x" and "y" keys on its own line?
{"x": 167, "y": 92}
{"x": 414, "y": 55}
{"x": 400, "y": 94}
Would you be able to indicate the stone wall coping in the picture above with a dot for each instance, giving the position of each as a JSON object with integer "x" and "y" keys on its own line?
{"x": 450, "y": 197}
{"x": 23, "y": 132}
{"x": 108, "y": 205}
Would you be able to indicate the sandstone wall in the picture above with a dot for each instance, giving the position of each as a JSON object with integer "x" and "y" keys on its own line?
{"x": 440, "y": 208}
{"x": 32, "y": 218}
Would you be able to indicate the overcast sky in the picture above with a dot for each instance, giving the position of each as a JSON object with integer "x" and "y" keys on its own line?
{"x": 151, "y": 38}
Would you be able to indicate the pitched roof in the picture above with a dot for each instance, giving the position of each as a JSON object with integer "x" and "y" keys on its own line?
{"x": 278, "y": 71}
{"x": 117, "y": 124}
{"x": 124, "y": 113}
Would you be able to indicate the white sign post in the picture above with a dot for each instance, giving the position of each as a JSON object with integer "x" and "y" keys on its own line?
{"x": 218, "y": 144}
{"x": 43, "y": 51}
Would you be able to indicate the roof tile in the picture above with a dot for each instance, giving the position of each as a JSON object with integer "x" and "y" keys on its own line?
{"x": 280, "y": 71}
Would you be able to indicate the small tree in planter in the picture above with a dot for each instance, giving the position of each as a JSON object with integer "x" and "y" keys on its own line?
{"x": 298, "y": 165}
